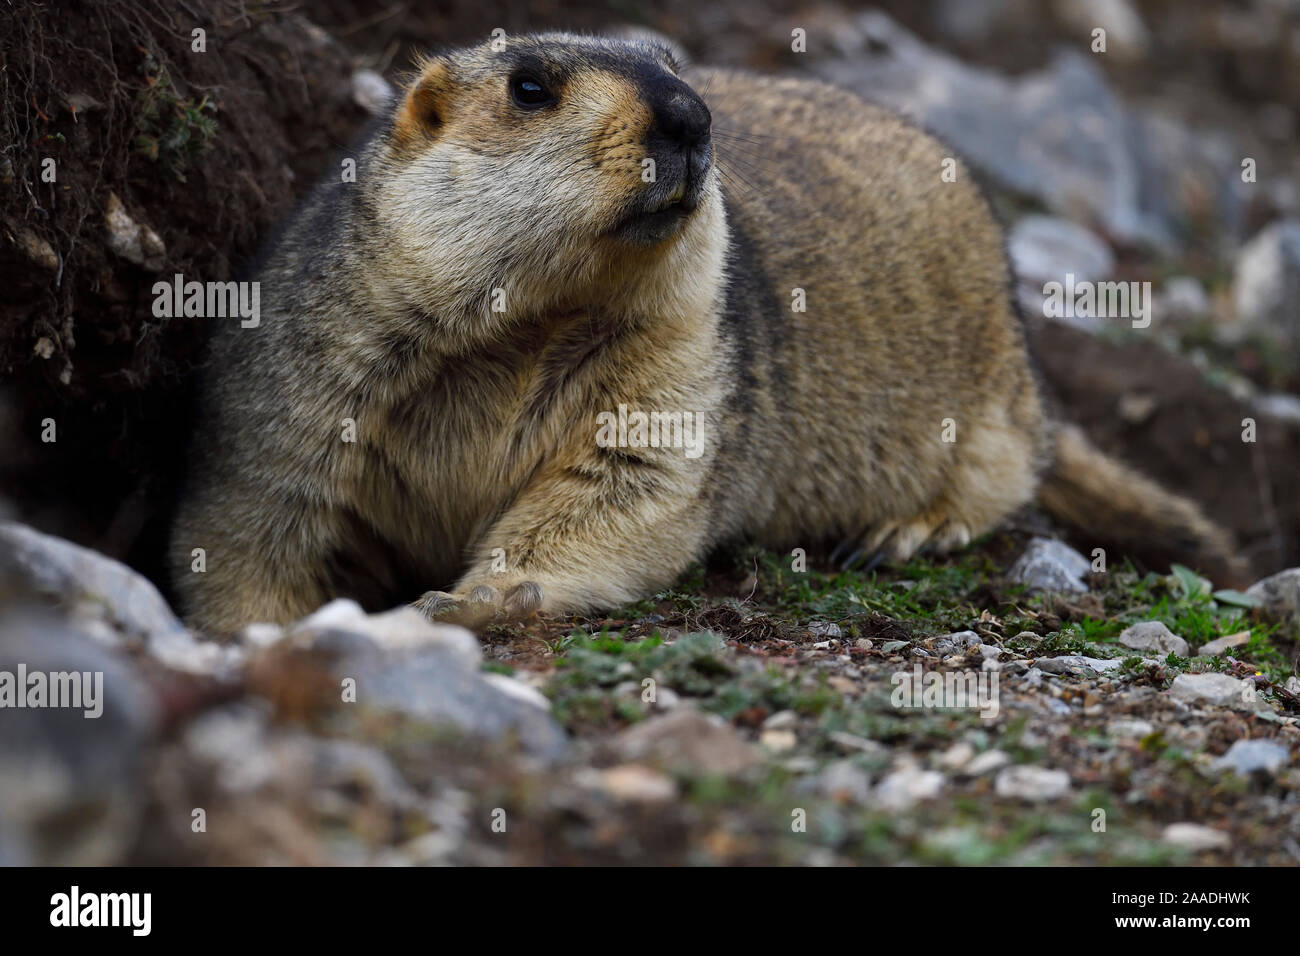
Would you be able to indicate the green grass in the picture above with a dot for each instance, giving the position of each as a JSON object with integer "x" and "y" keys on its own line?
{"x": 172, "y": 130}
{"x": 926, "y": 598}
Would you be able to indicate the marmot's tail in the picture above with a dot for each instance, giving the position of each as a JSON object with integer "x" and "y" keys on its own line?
{"x": 1111, "y": 503}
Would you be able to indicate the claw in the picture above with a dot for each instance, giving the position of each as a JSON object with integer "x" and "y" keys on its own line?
{"x": 877, "y": 554}
{"x": 838, "y": 551}
{"x": 482, "y": 605}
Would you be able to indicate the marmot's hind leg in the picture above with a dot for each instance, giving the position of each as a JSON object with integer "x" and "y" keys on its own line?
{"x": 994, "y": 472}
{"x": 896, "y": 541}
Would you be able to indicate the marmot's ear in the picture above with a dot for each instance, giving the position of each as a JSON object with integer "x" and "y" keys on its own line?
{"x": 423, "y": 108}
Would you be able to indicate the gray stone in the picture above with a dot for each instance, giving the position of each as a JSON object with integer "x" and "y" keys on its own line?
{"x": 1046, "y": 249}
{"x": 1223, "y": 644}
{"x": 1060, "y": 134}
{"x": 1217, "y": 689}
{"x": 1248, "y": 756}
{"x": 844, "y": 782}
{"x": 825, "y": 629}
{"x": 852, "y": 742}
{"x": 1050, "y": 565}
{"x": 99, "y": 588}
{"x": 1279, "y": 594}
{"x": 1154, "y": 639}
{"x": 687, "y": 739}
{"x": 403, "y": 663}
{"x": 1278, "y": 405}
{"x": 116, "y": 605}
{"x": 71, "y": 785}
{"x": 1077, "y": 665}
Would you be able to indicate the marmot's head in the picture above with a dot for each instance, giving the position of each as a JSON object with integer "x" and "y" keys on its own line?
{"x": 546, "y": 166}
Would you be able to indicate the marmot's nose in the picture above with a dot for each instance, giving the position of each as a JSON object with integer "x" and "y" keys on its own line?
{"x": 682, "y": 117}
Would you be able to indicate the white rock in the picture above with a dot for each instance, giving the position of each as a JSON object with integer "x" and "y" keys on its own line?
{"x": 1127, "y": 36}
{"x": 987, "y": 762}
{"x": 904, "y": 787}
{"x": 371, "y": 91}
{"x": 1045, "y": 248}
{"x": 778, "y": 741}
{"x": 131, "y": 240}
{"x": 1031, "y": 783}
{"x": 1133, "y": 729}
{"x": 1279, "y": 405}
{"x": 1154, "y": 638}
{"x": 633, "y": 783}
{"x": 519, "y": 691}
{"x": 1266, "y": 283}
{"x": 1183, "y": 297}
{"x": 260, "y": 635}
{"x": 400, "y": 629}
{"x": 957, "y": 756}
{"x": 1195, "y": 837}
{"x": 781, "y": 720}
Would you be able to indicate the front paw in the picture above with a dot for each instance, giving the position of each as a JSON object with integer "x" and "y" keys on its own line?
{"x": 477, "y": 607}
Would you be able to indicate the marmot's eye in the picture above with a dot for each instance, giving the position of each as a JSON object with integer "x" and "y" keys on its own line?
{"x": 529, "y": 93}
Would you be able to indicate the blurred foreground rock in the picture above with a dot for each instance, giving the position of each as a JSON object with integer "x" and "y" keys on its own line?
{"x": 71, "y": 777}
{"x": 196, "y": 751}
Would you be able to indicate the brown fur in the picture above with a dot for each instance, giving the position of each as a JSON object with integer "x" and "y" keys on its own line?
{"x": 476, "y": 428}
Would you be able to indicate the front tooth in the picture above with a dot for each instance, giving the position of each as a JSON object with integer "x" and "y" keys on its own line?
{"x": 679, "y": 191}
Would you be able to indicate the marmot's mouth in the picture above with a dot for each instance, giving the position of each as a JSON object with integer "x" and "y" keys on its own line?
{"x": 650, "y": 222}
{"x": 675, "y": 198}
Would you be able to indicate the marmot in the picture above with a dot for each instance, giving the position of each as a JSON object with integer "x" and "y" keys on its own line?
{"x": 585, "y": 314}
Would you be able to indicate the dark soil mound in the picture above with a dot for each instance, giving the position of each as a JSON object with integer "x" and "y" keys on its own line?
{"x": 203, "y": 145}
